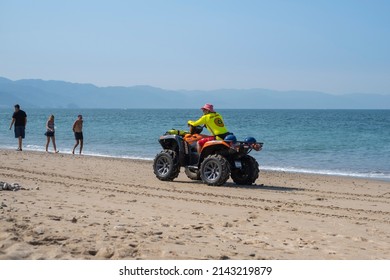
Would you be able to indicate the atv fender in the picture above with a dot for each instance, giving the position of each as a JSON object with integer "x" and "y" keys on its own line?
{"x": 176, "y": 144}
{"x": 213, "y": 147}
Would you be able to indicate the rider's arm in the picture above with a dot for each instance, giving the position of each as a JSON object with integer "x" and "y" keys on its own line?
{"x": 201, "y": 121}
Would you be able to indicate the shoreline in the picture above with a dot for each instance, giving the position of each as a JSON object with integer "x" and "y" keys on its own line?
{"x": 265, "y": 169}
{"x": 88, "y": 207}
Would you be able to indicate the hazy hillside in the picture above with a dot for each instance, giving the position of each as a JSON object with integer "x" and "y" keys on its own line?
{"x": 60, "y": 94}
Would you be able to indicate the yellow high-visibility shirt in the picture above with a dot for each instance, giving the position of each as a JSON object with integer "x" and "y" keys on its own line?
{"x": 213, "y": 122}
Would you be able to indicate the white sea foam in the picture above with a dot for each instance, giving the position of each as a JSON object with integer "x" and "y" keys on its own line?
{"x": 36, "y": 148}
{"x": 370, "y": 175}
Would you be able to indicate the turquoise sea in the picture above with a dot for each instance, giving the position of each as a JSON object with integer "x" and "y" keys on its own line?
{"x": 335, "y": 142}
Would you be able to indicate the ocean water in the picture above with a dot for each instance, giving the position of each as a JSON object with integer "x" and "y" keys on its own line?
{"x": 335, "y": 142}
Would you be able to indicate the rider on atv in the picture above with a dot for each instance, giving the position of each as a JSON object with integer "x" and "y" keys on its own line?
{"x": 213, "y": 121}
{"x": 213, "y": 162}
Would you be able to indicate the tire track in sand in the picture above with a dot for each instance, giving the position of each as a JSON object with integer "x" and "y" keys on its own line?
{"x": 213, "y": 197}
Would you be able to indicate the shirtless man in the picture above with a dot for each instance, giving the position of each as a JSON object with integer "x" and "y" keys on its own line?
{"x": 78, "y": 133}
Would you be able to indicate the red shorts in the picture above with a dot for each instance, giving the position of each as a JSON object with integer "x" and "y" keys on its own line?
{"x": 201, "y": 142}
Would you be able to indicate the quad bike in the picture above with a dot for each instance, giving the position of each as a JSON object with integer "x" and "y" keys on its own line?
{"x": 216, "y": 162}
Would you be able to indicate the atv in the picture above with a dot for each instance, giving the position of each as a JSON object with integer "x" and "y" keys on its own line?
{"x": 216, "y": 162}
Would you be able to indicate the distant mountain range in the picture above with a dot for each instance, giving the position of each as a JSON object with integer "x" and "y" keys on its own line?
{"x": 59, "y": 94}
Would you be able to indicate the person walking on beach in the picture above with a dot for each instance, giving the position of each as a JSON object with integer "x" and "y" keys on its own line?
{"x": 78, "y": 133}
{"x": 50, "y": 127}
{"x": 213, "y": 122}
{"x": 19, "y": 120}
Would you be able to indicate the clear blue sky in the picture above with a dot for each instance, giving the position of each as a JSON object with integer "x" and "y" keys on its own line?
{"x": 334, "y": 46}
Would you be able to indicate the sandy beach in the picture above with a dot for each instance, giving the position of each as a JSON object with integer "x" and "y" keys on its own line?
{"x": 82, "y": 207}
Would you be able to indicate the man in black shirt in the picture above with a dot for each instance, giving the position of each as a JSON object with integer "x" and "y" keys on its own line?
{"x": 19, "y": 118}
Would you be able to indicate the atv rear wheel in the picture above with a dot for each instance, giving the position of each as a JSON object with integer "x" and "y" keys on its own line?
{"x": 248, "y": 173}
{"x": 166, "y": 165}
{"x": 193, "y": 175}
{"x": 215, "y": 170}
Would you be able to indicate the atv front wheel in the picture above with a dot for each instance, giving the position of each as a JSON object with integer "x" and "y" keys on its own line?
{"x": 215, "y": 170}
{"x": 166, "y": 165}
{"x": 248, "y": 173}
